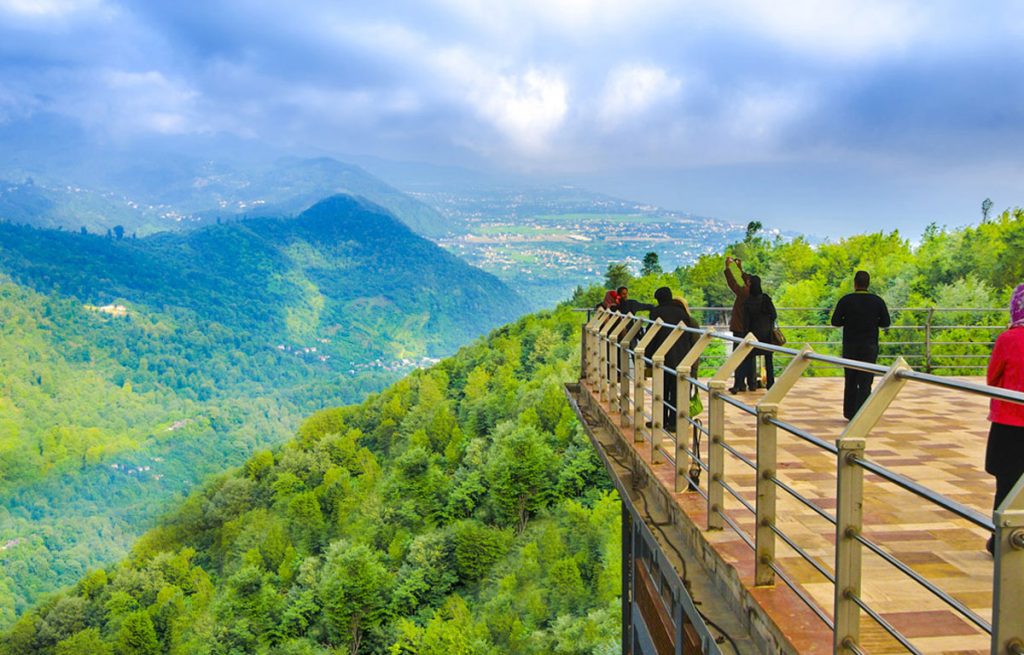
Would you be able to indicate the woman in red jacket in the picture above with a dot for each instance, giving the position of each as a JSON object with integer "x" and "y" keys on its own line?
{"x": 1004, "y": 457}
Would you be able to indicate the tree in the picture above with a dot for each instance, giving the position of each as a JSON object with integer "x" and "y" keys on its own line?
{"x": 650, "y": 265}
{"x": 355, "y": 590}
{"x": 753, "y": 227}
{"x": 118, "y": 232}
{"x": 617, "y": 275}
{"x": 86, "y": 642}
{"x": 137, "y": 635}
{"x": 986, "y": 206}
{"x": 520, "y": 475}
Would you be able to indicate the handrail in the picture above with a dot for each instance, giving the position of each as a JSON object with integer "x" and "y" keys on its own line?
{"x": 602, "y": 333}
{"x": 926, "y": 338}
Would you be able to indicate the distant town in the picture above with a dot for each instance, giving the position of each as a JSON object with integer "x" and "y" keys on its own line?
{"x": 546, "y": 244}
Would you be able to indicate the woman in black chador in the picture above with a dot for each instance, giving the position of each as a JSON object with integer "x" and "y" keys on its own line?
{"x": 759, "y": 317}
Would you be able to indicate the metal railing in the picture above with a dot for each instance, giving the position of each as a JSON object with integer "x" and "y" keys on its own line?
{"x": 614, "y": 360}
{"x": 951, "y": 340}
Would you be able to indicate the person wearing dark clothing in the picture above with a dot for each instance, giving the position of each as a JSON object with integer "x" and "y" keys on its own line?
{"x": 759, "y": 317}
{"x": 860, "y": 314}
{"x": 629, "y": 306}
{"x": 671, "y": 311}
{"x": 741, "y": 291}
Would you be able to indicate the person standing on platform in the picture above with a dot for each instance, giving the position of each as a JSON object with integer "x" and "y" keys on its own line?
{"x": 759, "y": 317}
{"x": 741, "y": 291}
{"x": 672, "y": 312}
{"x": 1004, "y": 456}
{"x": 629, "y": 306}
{"x": 860, "y": 314}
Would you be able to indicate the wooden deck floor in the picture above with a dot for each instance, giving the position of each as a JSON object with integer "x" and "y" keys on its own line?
{"x": 934, "y": 437}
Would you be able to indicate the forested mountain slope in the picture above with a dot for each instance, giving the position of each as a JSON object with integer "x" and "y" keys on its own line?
{"x": 460, "y": 511}
{"x": 130, "y": 369}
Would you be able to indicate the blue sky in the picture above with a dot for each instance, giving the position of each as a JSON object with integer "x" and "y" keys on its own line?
{"x": 825, "y": 117}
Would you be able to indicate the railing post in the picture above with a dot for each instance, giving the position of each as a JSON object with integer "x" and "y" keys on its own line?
{"x": 767, "y": 455}
{"x": 624, "y": 353}
{"x": 592, "y": 346}
{"x": 658, "y": 392}
{"x": 1008, "y": 576}
{"x": 849, "y": 523}
{"x": 639, "y": 367}
{"x": 605, "y": 372}
{"x": 615, "y": 361}
{"x": 764, "y": 537}
{"x": 657, "y": 406}
{"x": 583, "y": 350}
{"x": 716, "y": 454}
{"x": 716, "y": 431}
{"x": 683, "y": 390}
{"x": 928, "y": 340}
{"x": 850, "y": 504}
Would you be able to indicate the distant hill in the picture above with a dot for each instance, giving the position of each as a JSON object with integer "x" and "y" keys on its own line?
{"x": 130, "y": 368}
{"x": 62, "y": 178}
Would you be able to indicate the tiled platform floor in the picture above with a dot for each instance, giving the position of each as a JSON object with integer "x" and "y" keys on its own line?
{"x": 935, "y": 437}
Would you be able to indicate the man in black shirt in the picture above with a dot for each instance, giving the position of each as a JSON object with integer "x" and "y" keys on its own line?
{"x": 672, "y": 312}
{"x": 860, "y": 314}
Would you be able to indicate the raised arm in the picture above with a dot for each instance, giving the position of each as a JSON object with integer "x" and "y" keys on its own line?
{"x": 730, "y": 278}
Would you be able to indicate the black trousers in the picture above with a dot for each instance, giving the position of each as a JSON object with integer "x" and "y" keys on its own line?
{"x": 668, "y": 389}
{"x": 1004, "y": 458}
{"x": 858, "y": 383}
{"x": 745, "y": 377}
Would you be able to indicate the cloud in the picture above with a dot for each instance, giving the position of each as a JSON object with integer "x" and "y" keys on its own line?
{"x": 838, "y": 29}
{"x": 631, "y": 90}
{"x": 49, "y": 9}
{"x": 145, "y": 101}
{"x": 526, "y": 19}
{"x": 526, "y": 107}
{"x": 759, "y": 117}
{"x": 548, "y": 85}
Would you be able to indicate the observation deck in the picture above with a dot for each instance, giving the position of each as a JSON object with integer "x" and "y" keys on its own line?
{"x": 771, "y": 524}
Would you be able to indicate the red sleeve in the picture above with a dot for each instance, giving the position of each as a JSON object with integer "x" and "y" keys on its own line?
{"x": 997, "y": 363}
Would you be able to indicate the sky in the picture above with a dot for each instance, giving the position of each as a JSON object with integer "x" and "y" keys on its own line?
{"x": 823, "y": 117}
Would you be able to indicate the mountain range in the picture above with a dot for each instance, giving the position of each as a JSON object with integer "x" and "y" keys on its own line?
{"x": 54, "y": 174}
{"x": 132, "y": 367}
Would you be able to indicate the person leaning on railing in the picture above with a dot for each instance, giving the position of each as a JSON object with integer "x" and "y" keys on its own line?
{"x": 1004, "y": 456}
{"x": 671, "y": 311}
{"x": 629, "y": 306}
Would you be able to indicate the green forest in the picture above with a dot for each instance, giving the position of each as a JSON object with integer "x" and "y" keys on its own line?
{"x": 229, "y": 336}
{"x": 970, "y": 267}
{"x": 460, "y": 511}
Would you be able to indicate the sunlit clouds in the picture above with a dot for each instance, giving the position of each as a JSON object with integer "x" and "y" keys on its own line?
{"x": 554, "y": 87}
